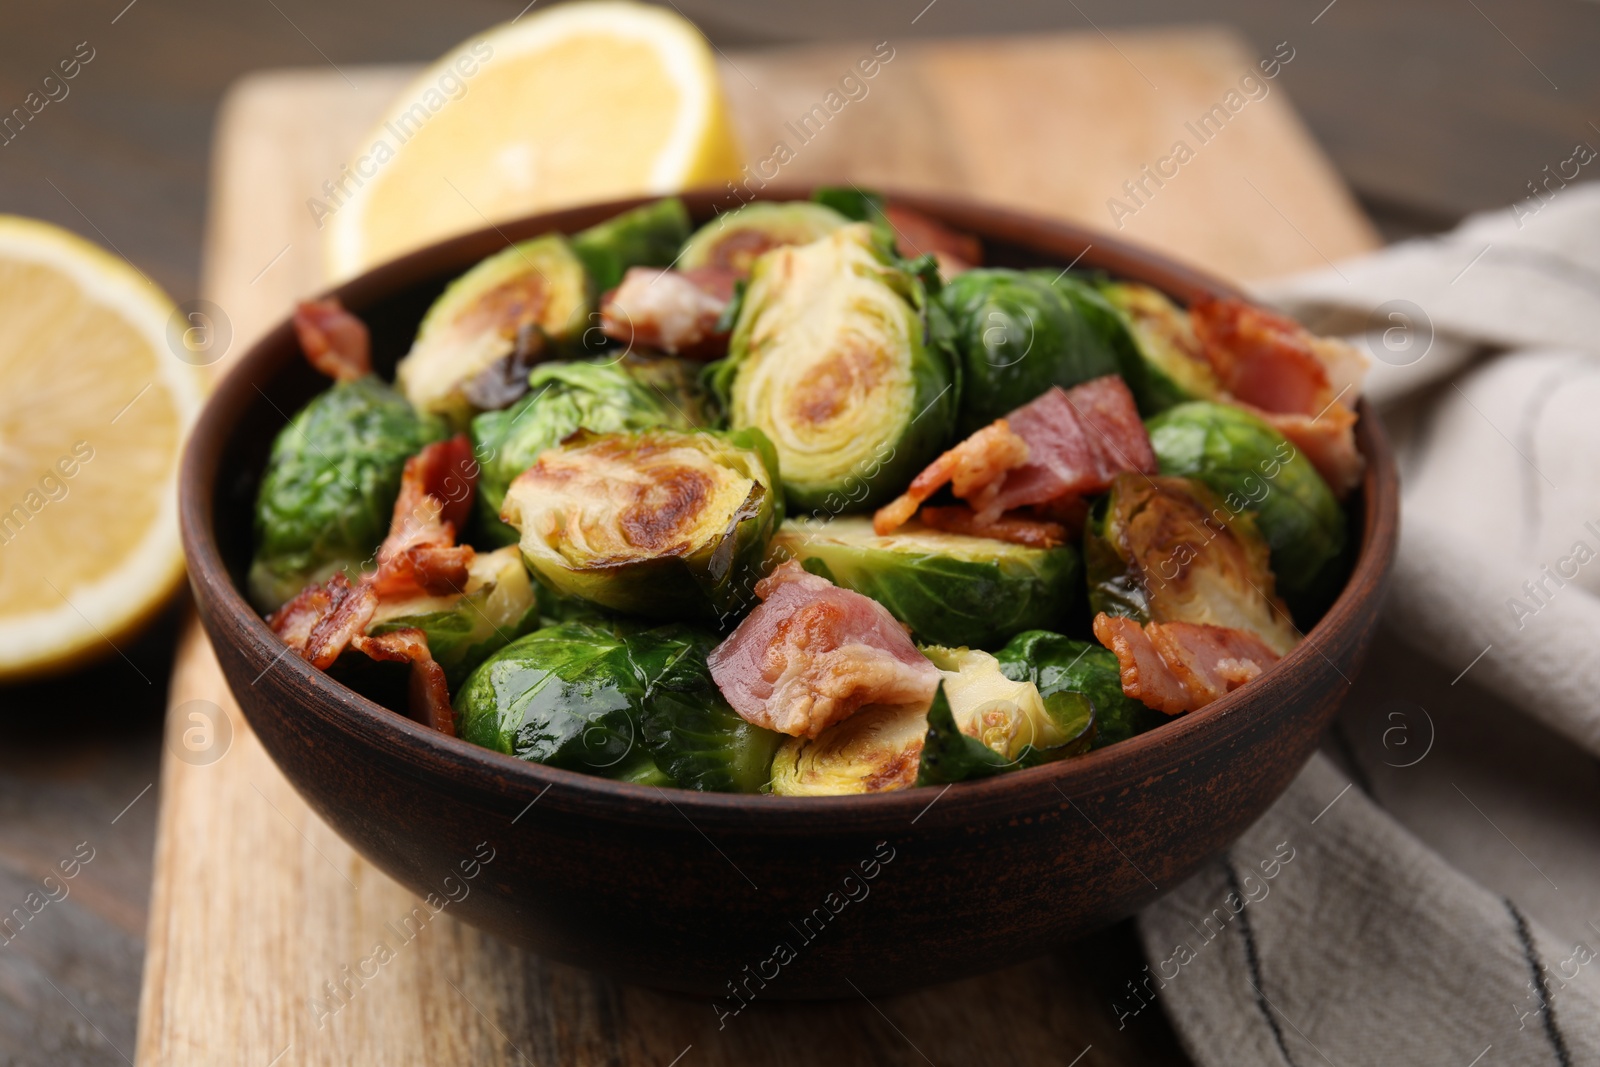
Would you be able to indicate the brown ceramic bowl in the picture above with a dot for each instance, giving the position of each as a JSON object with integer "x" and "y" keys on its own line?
{"x": 705, "y": 893}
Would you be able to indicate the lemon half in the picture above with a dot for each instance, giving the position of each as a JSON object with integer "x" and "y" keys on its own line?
{"x": 94, "y": 406}
{"x": 579, "y": 103}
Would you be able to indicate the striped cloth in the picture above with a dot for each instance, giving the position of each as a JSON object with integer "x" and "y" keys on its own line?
{"x": 1428, "y": 890}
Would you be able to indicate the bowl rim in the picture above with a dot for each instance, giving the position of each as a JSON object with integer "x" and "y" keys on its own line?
{"x": 431, "y": 755}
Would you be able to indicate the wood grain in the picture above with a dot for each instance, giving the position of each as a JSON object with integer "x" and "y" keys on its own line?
{"x": 257, "y": 904}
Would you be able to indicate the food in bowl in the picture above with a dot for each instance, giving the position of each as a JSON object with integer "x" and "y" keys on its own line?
{"x": 808, "y": 502}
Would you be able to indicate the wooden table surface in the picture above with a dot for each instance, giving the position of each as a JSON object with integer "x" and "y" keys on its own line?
{"x": 1428, "y": 109}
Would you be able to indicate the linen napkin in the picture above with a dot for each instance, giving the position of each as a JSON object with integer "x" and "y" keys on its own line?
{"x": 1428, "y": 889}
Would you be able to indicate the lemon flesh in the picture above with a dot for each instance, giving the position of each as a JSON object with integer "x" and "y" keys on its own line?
{"x": 93, "y": 410}
{"x": 581, "y": 103}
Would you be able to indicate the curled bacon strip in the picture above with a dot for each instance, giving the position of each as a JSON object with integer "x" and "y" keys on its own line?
{"x": 974, "y": 469}
{"x": 334, "y": 341}
{"x": 419, "y": 556}
{"x": 1175, "y": 667}
{"x": 674, "y": 311}
{"x": 1035, "y": 533}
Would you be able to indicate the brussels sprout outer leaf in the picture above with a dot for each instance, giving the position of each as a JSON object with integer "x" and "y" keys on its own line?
{"x": 702, "y": 743}
{"x": 948, "y": 588}
{"x": 948, "y": 755}
{"x": 648, "y": 236}
{"x": 330, "y": 485}
{"x": 852, "y": 202}
{"x": 1254, "y": 467}
{"x": 1017, "y": 336}
{"x": 563, "y": 398}
{"x": 1059, "y": 665}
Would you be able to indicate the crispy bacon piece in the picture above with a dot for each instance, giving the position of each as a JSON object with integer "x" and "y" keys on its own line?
{"x": 1062, "y": 446}
{"x": 1175, "y": 667}
{"x": 1078, "y": 440}
{"x": 974, "y": 469}
{"x": 334, "y": 341}
{"x": 420, "y": 553}
{"x": 419, "y": 556}
{"x": 1017, "y": 529}
{"x": 1261, "y": 358}
{"x": 427, "y": 692}
{"x": 917, "y": 234}
{"x": 1328, "y": 441}
{"x": 812, "y": 654}
{"x": 673, "y": 311}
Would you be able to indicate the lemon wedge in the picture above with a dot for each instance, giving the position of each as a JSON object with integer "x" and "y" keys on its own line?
{"x": 94, "y": 405}
{"x": 583, "y": 102}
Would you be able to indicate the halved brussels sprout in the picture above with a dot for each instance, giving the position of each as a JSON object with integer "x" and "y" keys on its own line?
{"x": 533, "y": 290}
{"x": 648, "y": 236}
{"x": 873, "y": 751}
{"x": 1057, "y": 664}
{"x": 1254, "y": 467}
{"x": 329, "y": 489}
{"x": 661, "y": 523}
{"x": 617, "y": 699}
{"x": 563, "y": 398}
{"x": 831, "y": 359}
{"x": 1169, "y": 549}
{"x": 498, "y": 605}
{"x": 950, "y": 589}
{"x": 1172, "y": 368}
{"x": 1009, "y": 716}
{"x": 1017, "y": 336}
{"x": 735, "y": 240}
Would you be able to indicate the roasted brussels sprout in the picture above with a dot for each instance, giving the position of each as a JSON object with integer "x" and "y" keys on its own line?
{"x": 647, "y": 236}
{"x": 1169, "y": 549}
{"x": 618, "y": 699}
{"x": 1017, "y": 336}
{"x": 832, "y": 360}
{"x": 565, "y": 397}
{"x": 499, "y": 604}
{"x": 1254, "y": 467}
{"x": 532, "y": 291}
{"x": 661, "y": 523}
{"x": 873, "y": 751}
{"x": 950, "y": 589}
{"x": 1057, "y": 664}
{"x": 1171, "y": 367}
{"x": 733, "y": 241}
{"x": 330, "y": 486}
{"x": 1011, "y": 716}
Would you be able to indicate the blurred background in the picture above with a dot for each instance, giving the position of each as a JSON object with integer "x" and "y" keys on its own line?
{"x": 1429, "y": 110}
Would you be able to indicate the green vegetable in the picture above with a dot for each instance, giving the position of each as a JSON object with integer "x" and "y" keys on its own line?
{"x": 1171, "y": 368}
{"x": 873, "y": 751}
{"x": 498, "y": 605}
{"x": 537, "y": 286}
{"x": 734, "y": 240}
{"x": 1254, "y": 467}
{"x": 1011, "y": 717}
{"x": 562, "y": 398}
{"x": 1017, "y": 336}
{"x": 617, "y": 699}
{"x": 832, "y": 360}
{"x": 660, "y": 523}
{"x": 329, "y": 489}
{"x": 647, "y": 236}
{"x": 1164, "y": 549}
{"x": 948, "y": 755}
{"x": 1057, "y": 664}
{"x": 950, "y": 589}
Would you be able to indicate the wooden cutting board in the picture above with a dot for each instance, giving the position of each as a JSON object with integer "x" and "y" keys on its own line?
{"x": 257, "y": 906}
